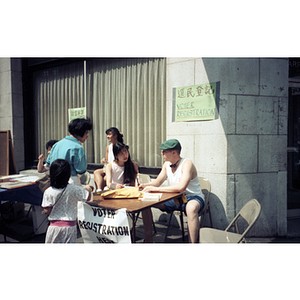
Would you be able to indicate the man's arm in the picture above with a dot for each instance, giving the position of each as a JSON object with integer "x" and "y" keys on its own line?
{"x": 40, "y": 166}
{"x": 162, "y": 176}
{"x": 178, "y": 187}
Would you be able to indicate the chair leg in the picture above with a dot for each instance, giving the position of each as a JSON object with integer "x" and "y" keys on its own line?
{"x": 153, "y": 224}
{"x": 2, "y": 231}
{"x": 4, "y": 236}
{"x": 29, "y": 210}
{"x": 209, "y": 213}
{"x": 171, "y": 214}
{"x": 154, "y": 228}
{"x": 202, "y": 220}
{"x": 181, "y": 221}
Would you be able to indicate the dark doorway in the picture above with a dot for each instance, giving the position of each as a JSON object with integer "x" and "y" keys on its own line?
{"x": 294, "y": 149}
{"x": 293, "y": 156}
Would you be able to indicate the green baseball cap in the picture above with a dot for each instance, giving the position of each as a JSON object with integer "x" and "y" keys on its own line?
{"x": 171, "y": 144}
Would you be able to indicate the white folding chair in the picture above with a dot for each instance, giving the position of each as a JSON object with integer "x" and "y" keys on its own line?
{"x": 248, "y": 215}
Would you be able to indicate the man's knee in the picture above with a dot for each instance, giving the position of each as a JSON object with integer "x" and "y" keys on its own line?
{"x": 192, "y": 207}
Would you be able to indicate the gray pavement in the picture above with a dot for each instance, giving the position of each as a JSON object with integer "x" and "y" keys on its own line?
{"x": 22, "y": 231}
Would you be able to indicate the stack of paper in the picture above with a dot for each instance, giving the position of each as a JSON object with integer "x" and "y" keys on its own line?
{"x": 14, "y": 184}
{"x": 29, "y": 179}
{"x": 14, "y": 181}
{"x": 11, "y": 177}
{"x": 151, "y": 196}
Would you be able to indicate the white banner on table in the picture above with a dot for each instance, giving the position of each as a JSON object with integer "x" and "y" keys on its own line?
{"x": 101, "y": 225}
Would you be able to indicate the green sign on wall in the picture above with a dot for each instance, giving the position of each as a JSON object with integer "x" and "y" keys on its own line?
{"x": 196, "y": 102}
{"x": 74, "y": 113}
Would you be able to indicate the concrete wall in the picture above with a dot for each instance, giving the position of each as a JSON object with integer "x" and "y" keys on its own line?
{"x": 243, "y": 152}
{"x": 11, "y": 105}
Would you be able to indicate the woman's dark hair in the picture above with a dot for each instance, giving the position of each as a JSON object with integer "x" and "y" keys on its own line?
{"x": 60, "y": 172}
{"x": 115, "y": 131}
{"x": 129, "y": 170}
{"x": 50, "y": 143}
{"x": 80, "y": 126}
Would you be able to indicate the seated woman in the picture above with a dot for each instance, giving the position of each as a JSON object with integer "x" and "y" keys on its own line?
{"x": 123, "y": 172}
{"x": 113, "y": 135}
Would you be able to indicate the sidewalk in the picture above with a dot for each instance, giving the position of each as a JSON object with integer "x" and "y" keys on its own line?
{"x": 22, "y": 231}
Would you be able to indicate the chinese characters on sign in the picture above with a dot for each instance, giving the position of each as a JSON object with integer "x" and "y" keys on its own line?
{"x": 75, "y": 113}
{"x": 196, "y": 102}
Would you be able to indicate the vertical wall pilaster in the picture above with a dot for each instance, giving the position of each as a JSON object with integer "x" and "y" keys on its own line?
{"x": 11, "y": 105}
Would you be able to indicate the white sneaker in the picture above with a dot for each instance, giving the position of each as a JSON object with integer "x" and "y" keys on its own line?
{"x": 98, "y": 191}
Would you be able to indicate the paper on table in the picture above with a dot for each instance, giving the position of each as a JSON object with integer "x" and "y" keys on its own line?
{"x": 151, "y": 196}
{"x": 14, "y": 184}
{"x": 128, "y": 193}
{"x": 29, "y": 179}
{"x": 12, "y": 176}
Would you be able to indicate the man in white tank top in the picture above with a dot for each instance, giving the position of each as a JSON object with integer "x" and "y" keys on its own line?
{"x": 182, "y": 177}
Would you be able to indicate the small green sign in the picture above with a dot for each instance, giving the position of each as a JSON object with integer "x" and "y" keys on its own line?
{"x": 195, "y": 102}
{"x": 75, "y": 113}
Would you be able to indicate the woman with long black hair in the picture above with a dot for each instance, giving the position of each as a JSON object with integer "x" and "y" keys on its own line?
{"x": 122, "y": 171}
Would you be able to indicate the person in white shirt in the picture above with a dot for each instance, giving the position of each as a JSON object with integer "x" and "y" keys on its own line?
{"x": 60, "y": 202}
{"x": 182, "y": 177}
{"x": 113, "y": 136}
{"x": 122, "y": 171}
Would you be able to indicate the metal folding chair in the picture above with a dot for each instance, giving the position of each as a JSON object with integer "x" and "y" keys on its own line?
{"x": 246, "y": 218}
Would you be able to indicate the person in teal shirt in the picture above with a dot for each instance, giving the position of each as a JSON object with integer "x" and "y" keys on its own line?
{"x": 70, "y": 148}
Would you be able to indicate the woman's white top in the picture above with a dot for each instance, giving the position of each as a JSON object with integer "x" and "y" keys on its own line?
{"x": 111, "y": 156}
{"x": 194, "y": 185}
{"x": 117, "y": 173}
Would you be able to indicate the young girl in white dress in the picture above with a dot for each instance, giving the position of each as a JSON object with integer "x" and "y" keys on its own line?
{"x": 113, "y": 136}
{"x": 60, "y": 202}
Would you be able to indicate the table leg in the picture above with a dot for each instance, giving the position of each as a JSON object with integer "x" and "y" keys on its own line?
{"x": 134, "y": 218}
